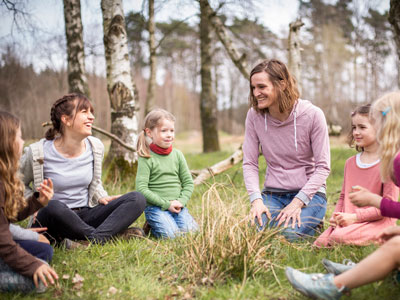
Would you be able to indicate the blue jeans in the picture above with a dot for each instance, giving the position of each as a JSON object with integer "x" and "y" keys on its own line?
{"x": 166, "y": 224}
{"x": 311, "y": 215}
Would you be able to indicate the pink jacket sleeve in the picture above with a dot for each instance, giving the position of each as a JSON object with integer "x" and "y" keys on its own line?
{"x": 250, "y": 159}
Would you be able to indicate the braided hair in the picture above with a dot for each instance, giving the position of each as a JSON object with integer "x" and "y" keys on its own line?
{"x": 65, "y": 106}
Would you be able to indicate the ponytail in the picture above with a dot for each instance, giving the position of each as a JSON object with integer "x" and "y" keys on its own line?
{"x": 142, "y": 147}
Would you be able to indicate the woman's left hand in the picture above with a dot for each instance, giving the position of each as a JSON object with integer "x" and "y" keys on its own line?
{"x": 106, "y": 200}
{"x": 45, "y": 191}
{"x": 291, "y": 212}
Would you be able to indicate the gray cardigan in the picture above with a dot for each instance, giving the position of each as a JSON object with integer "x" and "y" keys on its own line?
{"x": 31, "y": 167}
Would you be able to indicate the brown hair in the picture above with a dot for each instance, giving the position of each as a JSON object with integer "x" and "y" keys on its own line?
{"x": 9, "y": 164}
{"x": 386, "y": 114}
{"x": 66, "y": 106}
{"x": 363, "y": 110}
{"x": 151, "y": 121}
{"x": 277, "y": 72}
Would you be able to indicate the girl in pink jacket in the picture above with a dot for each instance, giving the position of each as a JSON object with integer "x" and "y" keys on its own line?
{"x": 350, "y": 224}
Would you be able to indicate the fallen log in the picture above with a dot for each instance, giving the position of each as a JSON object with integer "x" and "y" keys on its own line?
{"x": 219, "y": 167}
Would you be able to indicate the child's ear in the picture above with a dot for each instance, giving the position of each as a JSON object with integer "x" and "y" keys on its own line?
{"x": 147, "y": 131}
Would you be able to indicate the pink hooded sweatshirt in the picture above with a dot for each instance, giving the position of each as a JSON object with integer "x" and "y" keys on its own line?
{"x": 296, "y": 151}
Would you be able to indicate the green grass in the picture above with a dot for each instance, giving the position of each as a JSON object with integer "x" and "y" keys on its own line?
{"x": 236, "y": 263}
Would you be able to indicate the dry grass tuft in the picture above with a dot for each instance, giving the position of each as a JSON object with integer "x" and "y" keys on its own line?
{"x": 226, "y": 246}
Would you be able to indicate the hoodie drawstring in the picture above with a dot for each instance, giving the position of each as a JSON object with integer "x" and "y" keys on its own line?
{"x": 265, "y": 119}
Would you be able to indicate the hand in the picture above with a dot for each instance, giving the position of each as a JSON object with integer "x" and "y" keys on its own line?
{"x": 106, "y": 200}
{"x": 175, "y": 206}
{"x": 345, "y": 219}
{"x": 332, "y": 221}
{"x": 360, "y": 196}
{"x": 291, "y": 211}
{"x": 45, "y": 191}
{"x": 42, "y": 272}
{"x": 388, "y": 233}
{"x": 256, "y": 211}
{"x": 43, "y": 239}
{"x": 38, "y": 229}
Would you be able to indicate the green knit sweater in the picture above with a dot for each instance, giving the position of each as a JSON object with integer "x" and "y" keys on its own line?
{"x": 163, "y": 178}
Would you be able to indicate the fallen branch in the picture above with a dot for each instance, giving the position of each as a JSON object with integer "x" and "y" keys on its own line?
{"x": 106, "y": 133}
{"x": 219, "y": 167}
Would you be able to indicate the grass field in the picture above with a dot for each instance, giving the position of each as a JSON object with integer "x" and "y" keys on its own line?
{"x": 227, "y": 259}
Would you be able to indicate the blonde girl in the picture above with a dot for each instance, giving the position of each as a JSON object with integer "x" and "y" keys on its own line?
{"x": 386, "y": 116}
{"x": 163, "y": 177}
{"x": 350, "y": 224}
{"x": 21, "y": 269}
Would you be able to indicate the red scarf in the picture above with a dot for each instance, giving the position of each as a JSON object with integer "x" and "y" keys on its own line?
{"x": 159, "y": 150}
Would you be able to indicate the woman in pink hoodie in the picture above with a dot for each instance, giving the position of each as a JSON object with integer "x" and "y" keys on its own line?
{"x": 294, "y": 141}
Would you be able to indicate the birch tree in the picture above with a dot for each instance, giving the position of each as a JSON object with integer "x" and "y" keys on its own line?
{"x": 77, "y": 81}
{"x": 208, "y": 101}
{"x": 120, "y": 86}
{"x": 294, "y": 50}
{"x": 152, "y": 60}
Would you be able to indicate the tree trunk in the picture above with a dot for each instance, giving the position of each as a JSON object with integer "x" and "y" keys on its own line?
{"x": 153, "y": 67}
{"x": 208, "y": 101}
{"x": 77, "y": 80}
{"x": 394, "y": 19}
{"x": 238, "y": 60}
{"x": 294, "y": 50}
{"x": 121, "y": 89}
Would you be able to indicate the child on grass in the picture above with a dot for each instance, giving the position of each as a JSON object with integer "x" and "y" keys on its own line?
{"x": 350, "y": 224}
{"x": 163, "y": 177}
{"x": 22, "y": 262}
{"x": 386, "y": 116}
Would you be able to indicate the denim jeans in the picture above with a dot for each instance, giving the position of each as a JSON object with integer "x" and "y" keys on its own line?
{"x": 311, "y": 215}
{"x": 37, "y": 249}
{"x": 166, "y": 224}
{"x": 97, "y": 224}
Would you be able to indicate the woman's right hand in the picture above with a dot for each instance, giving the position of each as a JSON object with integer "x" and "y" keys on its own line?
{"x": 42, "y": 272}
{"x": 46, "y": 191}
{"x": 256, "y": 211}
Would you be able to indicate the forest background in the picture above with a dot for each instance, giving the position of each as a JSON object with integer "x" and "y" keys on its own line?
{"x": 348, "y": 57}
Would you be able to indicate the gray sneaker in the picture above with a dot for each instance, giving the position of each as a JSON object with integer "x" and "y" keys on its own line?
{"x": 336, "y": 268}
{"x": 316, "y": 286}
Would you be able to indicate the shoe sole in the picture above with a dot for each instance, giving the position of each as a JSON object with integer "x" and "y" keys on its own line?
{"x": 293, "y": 282}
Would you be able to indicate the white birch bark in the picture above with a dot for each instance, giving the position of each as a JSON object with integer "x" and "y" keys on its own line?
{"x": 120, "y": 85}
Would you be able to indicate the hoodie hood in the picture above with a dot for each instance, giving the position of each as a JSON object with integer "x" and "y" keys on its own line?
{"x": 300, "y": 107}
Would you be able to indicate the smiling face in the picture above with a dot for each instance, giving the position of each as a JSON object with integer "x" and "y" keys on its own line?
{"x": 162, "y": 135}
{"x": 263, "y": 90}
{"x": 364, "y": 132}
{"x": 80, "y": 123}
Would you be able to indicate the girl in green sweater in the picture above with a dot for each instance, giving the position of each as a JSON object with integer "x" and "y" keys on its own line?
{"x": 163, "y": 177}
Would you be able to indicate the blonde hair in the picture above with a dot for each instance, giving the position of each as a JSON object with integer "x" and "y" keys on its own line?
{"x": 9, "y": 164}
{"x": 151, "y": 121}
{"x": 386, "y": 115}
